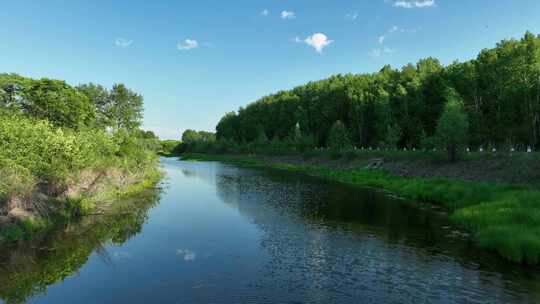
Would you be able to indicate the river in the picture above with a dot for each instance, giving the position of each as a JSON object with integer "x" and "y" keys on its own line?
{"x": 217, "y": 233}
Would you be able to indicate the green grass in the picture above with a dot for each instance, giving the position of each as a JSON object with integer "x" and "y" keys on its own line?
{"x": 502, "y": 218}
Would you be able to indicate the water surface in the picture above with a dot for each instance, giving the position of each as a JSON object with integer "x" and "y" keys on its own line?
{"x": 222, "y": 234}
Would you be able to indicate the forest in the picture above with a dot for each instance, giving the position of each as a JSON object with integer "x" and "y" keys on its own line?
{"x": 491, "y": 102}
{"x": 61, "y": 145}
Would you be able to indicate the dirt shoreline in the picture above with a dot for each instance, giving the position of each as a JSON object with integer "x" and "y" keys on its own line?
{"x": 519, "y": 170}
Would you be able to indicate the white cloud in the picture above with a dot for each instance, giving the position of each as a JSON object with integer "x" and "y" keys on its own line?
{"x": 318, "y": 41}
{"x": 396, "y": 29}
{"x": 188, "y": 45}
{"x": 381, "y": 51}
{"x": 265, "y": 12}
{"x": 414, "y": 4}
{"x": 186, "y": 254}
{"x": 352, "y": 16}
{"x": 288, "y": 15}
{"x": 123, "y": 43}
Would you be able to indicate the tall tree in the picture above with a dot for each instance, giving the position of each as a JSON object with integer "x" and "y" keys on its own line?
{"x": 126, "y": 108}
{"x": 452, "y": 128}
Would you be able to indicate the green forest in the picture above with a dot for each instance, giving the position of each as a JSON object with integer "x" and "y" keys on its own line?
{"x": 61, "y": 145}
{"x": 491, "y": 102}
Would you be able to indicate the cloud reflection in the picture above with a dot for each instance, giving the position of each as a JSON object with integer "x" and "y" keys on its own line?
{"x": 186, "y": 254}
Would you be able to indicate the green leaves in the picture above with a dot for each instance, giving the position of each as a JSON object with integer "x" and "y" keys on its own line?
{"x": 452, "y": 128}
{"x": 338, "y": 139}
{"x": 49, "y": 152}
{"x": 499, "y": 92}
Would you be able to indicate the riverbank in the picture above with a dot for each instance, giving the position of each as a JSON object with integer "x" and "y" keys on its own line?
{"x": 92, "y": 192}
{"x": 48, "y": 258}
{"x": 503, "y": 217}
{"x": 50, "y": 175}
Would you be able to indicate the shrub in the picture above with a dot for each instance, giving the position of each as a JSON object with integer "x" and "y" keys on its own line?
{"x": 451, "y": 132}
{"x": 338, "y": 138}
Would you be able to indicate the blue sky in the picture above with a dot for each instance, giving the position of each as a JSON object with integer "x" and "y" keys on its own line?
{"x": 195, "y": 60}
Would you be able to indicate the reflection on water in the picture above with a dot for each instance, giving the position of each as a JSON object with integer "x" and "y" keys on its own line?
{"x": 223, "y": 234}
{"x": 27, "y": 269}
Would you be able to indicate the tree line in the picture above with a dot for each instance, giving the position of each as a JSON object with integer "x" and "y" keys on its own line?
{"x": 80, "y": 107}
{"x": 490, "y": 101}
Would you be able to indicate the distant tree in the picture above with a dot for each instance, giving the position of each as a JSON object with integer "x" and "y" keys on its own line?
{"x": 392, "y": 136}
{"x": 205, "y": 136}
{"x": 101, "y": 98}
{"x": 125, "y": 108}
{"x": 452, "y": 128}
{"x": 58, "y": 102}
{"x": 294, "y": 135}
{"x": 338, "y": 138}
{"x": 190, "y": 136}
{"x": 261, "y": 136}
{"x": 226, "y": 128}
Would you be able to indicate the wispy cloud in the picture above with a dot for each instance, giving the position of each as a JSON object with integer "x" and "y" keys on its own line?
{"x": 186, "y": 255}
{"x": 187, "y": 45}
{"x": 265, "y": 12}
{"x": 380, "y": 51}
{"x": 288, "y": 15}
{"x": 414, "y": 4}
{"x": 123, "y": 43}
{"x": 318, "y": 41}
{"x": 352, "y": 16}
{"x": 396, "y": 29}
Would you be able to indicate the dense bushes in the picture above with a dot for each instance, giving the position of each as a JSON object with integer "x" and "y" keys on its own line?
{"x": 62, "y": 147}
{"x": 499, "y": 90}
{"x": 50, "y": 151}
{"x": 35, "y": 151}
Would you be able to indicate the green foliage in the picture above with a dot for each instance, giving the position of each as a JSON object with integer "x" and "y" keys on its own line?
{"x": 452, "y": 128}
{"x": 338, "y": 139}
{"x": 125, "y": 108}
{"x": 392, "y": 137}
{"x": 101, "y": 98}
{"x": 84, "y": 106}
{"x": 48, "y": 151}
{"x": 59, "y": 103}
{"x": 169, "y": 147}
{"x": 401, "y": 108}
{"x": 57, "y": 143}
{"x": 191, "y": 136}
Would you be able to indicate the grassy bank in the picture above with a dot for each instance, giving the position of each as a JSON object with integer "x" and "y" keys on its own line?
{"x": 503, "y": 218}
{"x": 50, "y": 175}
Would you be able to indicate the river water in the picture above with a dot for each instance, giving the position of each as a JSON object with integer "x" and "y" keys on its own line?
{"x": 217, "y": 233}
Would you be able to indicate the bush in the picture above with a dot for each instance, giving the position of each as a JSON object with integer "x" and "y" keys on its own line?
{"x": 452, "y": 127}
{"x": 48, "y": 151}
{"x": 36, "y": 152}
{"x": 338, "y": 138}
